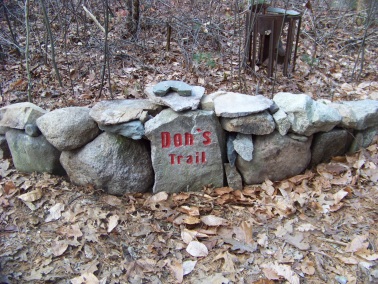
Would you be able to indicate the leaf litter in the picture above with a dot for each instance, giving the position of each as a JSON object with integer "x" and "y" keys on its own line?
{"x": 301, "y": 230}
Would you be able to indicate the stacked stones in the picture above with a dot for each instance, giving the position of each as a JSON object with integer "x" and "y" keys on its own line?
{"x": 180, "y": 140}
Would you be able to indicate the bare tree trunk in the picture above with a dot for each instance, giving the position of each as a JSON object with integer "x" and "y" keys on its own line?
{"x": 11, "y": 30}
{"x": 48, "y": 28}
{"x": 27, "y": 49}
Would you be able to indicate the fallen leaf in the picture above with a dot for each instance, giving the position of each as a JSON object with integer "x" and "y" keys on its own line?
{"x": 241, "y": 246}
{"x": 281, "y": 270}
{"x": 156, "y": 198}
{"x": 308, "y": 267}
{"x": 58, "y": 247}
{"x": 229, "y": 260}
{"x": 197, "y": 249}
{"x": 85, "y": 278}
{"x": 111, "y": 200}
{"x": 367, "y": 254}
{"x": 188, "y": 266}
{"x": 211, "y": 220}
{"x": 297, "y": 241}
{"x": 177, "y": 269}
{"x": 358, "y": 243}
{"x": 31, "y": 196}
{"x": 113, "y": 222}
{"x": 306, "y": 227}
{"x": 55, "y": 212}
{"x": 348, "y": 260}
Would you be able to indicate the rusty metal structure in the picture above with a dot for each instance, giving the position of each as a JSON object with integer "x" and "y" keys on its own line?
{"x": 265, "y": 39}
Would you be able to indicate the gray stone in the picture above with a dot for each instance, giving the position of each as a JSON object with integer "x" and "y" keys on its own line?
{"x": 132, "y": 129}
{"x": 326, "y": 145}
{"x": 187, "y": 150}
{"x": 33, "y": 154}
{"x": 243, "y": 145}
{"x": 366, "y": 112}
{"x": 177, "y": 102}
{"x": 235, "y": 104}
{"x": 18, "y": 115}
{"x": 363, "y": 139}
{"x": 68, "y": 128}
{"x": 282, "y": 122}
{"x": 348, "y": 117}
{"x": 32, "y": 130}
{"x": 3, "y": 130}
{"x": 258, "y": 124}
{"x": 234, "y": 179}
{"x": 305, "y": 115}
{"x": 297, "y": 137}
{"x": 163, "y": 88}
{"x": 4, "y": 149}
{"x": 207, "y": 101}
{"x": 120, "y": 111}
{"x": 231, "y": 153}
{"x": 275, "y": 157}
{"x": 114, "y": 163}
{"x": 273, "y": 108}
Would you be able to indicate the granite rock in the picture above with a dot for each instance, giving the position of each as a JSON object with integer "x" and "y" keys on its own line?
{"x": 236, "y": 105}
{"x": 307, "y": 116}
{"x": 234, "y": 179}
{"x": 207, "y": 101}
{"x": 121, "y": 111}
{"x": 33, "y": 154}
{"x": 114, "y": 163}
{"x": 366, "y": 113}
{"x": 275, "y": 157}
{"x": 282, "y": 122}
{"x": 243, "y": 145}
{"x": 258, "y": 124}
{"x": 132, "y": 129}
{"x": 18, "y": 115}
{"x": 68, "y": 128}
{"x": 3, "y": 130}
{"x": 187, "y": 150}
{"x": 163, "y": 88}
{"x": 177, "y": 102}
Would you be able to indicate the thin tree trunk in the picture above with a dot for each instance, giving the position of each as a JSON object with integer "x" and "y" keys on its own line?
{"x": 11, "y": 30}
{"x": 47, "y": 23}
{"x": 27, "y": 49}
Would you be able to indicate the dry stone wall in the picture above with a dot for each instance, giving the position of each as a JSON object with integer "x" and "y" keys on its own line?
{"x": 180, "y": 139}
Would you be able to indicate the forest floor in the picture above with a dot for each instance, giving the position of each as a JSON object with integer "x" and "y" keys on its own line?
{"x": 318, "y": 227}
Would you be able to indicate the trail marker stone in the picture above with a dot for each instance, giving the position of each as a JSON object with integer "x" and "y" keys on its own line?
{"x": 187, "y": 150}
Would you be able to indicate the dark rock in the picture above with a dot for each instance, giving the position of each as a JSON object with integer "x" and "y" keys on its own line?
{"x": 258, "y": 124}
{"x": 32, "y": 130}
{"x": 132, "y": 129}
{"x": 231, "y": 153}
{"x": 275, "y": 157}
{"x": 33, "y": 154}
{"x": 326, "y": 145}
{"x": 4, "y": 149}
{"x": 234, "y": 179}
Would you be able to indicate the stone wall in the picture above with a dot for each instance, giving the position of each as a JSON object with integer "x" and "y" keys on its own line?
{"x": 182, "y": 140}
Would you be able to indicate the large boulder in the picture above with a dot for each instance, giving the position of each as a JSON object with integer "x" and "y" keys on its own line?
{"x": 113, "y": 163}
{"x": 306, "y": 115}
{"x": 18, "y": 115}
{"x": 261, "y": 123}
{"x": 326, "y": 145}
{"x": 187, "y": 150}
{"x": 33, "y": 154}
{"x": 122, "y": 111}
{"x": 275, "y": 157}
{"x": 68, "y": 128}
